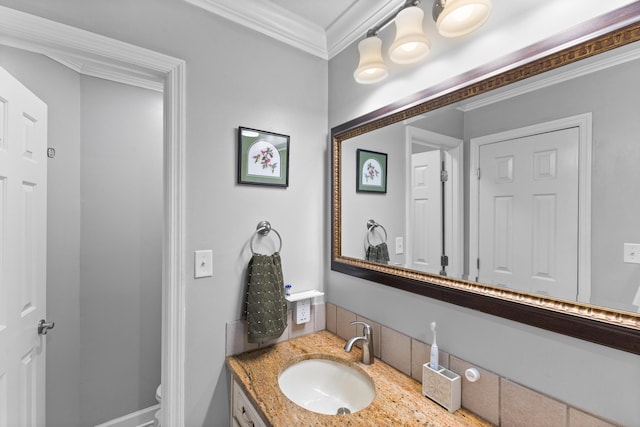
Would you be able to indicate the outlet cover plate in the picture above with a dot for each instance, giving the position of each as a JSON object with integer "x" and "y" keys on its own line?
{"x": 303, "y": 311}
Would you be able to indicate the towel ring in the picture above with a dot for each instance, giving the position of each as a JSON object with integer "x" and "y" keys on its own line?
{"x": 263, "y": 228}
{"x": 371, "y": 226}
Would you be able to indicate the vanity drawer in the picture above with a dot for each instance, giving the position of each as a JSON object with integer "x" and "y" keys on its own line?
{"x": 243, "y": 414}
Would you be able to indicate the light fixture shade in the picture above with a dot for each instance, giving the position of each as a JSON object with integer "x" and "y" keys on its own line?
{"x": 371, "y": 68}
{"x": 460, "y": 17}
{"x": 410, "y": 44}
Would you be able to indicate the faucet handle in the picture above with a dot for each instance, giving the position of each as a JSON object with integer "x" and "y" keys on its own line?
{"x": 365, "y": 325}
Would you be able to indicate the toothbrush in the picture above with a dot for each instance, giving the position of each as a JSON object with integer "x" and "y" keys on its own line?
{"x": 434, "y": 363}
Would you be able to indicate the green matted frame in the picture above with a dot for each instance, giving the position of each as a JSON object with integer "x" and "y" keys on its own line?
{"x": 371, "y": 172}
{"x": 263, "y": 158}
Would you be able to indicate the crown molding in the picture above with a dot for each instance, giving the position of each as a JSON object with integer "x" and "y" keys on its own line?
{"x": 271, "y": 20}
{"x": 85, "y": 52}
{"x": 107, "y": 71}
{"x": 356, "y": 21}
{"x": 281, "y": 24}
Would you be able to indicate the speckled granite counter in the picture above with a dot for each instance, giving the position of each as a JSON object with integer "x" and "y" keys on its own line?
{"x": 398, "y": 401}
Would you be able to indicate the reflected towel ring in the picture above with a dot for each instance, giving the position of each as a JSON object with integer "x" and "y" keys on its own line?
{"x": 263, "y": 228}
{"x": 371, "y": 226}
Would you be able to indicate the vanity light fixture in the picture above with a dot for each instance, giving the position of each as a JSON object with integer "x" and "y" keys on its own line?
{"x": 371, "y": 68}
{"x": 453, "y": 18}
{"x": 411, "y": 44}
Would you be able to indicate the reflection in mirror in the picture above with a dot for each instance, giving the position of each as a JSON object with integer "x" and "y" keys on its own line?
{"x": 530, "y": 174}
{"x": 525, "y": 192}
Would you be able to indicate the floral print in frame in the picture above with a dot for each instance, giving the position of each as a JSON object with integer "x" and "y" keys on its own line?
{"x": 371, "y": 172}
{"x": 263, "y": 158}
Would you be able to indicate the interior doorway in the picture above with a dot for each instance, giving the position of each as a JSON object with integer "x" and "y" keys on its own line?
{"x": 439, "y": 248}
{"x": 101, "y": 57}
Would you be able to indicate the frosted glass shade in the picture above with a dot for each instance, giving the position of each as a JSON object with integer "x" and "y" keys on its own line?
{"x": 460, "y": 17}
{"x": 371, "y": 68}
{"x": 410, "y": 44}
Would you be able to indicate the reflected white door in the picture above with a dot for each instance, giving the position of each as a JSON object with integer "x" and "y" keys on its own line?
{"x": 23, "y": 198}
{"x": 528, "y": 205}
{"x": 425, "y": 221}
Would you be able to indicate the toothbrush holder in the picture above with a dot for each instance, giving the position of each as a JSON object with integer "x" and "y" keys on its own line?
{"x": 442, "y": 386}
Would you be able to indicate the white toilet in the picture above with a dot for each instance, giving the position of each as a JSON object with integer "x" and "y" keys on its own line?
{"x": 157, "y": 415}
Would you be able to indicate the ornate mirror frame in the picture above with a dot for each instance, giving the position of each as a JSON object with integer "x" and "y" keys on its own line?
{"x": 612, "y": 328}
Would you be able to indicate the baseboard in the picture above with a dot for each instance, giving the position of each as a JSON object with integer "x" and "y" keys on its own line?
{"x": 141, "y": 418}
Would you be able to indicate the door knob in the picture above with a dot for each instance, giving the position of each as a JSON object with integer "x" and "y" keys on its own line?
{"x": 43, "y": 327}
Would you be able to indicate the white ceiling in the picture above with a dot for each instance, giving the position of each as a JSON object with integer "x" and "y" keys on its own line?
{"x": 320, "y": 27}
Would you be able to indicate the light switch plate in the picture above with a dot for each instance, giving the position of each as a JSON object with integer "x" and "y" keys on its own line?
{"x": 203, "y": 264}
{"x": 399, "y": 245}
{"x": 632, "y": 253}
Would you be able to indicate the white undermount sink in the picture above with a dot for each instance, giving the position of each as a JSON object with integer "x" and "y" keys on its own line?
{"x": 327, "y": 386}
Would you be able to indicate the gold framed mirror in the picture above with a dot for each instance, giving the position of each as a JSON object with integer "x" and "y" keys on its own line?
{"x": 611, "y": 35}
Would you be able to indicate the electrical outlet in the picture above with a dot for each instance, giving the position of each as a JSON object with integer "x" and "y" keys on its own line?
{"x": 303, "y": 311}
{"x": 399, "y": 245}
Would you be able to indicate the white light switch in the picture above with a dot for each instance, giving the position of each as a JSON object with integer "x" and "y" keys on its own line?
{"x": 203, "y": 264}
{"x": 399, "y": 245}
{"x": 632, "y": 253}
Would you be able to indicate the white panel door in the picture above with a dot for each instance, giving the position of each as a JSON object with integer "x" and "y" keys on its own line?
{"x": 23, "y": 198}
{"x": 425, "y": 221}
{"x": 528, "y": 205}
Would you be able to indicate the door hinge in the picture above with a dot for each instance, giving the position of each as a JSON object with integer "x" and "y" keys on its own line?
{"x": 478, "y": 173}
{"x": 478, "y": 263}
{"x": 444, "y": 260}
{"x": 444, "y": 176}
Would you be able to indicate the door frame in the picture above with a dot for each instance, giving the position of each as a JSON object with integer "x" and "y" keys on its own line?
{"x": 99, "y": 56}
{"x": 584, "y": 124}
{"x": 454, "y": 213}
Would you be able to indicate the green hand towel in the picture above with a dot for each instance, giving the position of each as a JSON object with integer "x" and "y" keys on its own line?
{"x": 378, "y": 253}
{"x": 266, "y": 308}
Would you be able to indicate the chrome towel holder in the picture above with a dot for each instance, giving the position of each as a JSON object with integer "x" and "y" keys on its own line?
{"x": 264, "y": 228}
{"x": 371, "y": 226}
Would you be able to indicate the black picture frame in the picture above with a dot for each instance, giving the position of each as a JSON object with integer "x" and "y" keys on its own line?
{"x": 263, "y": 158}
{"x": 371, "y": 172}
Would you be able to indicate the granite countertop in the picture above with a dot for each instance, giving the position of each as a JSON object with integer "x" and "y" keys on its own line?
{"x": 398, "y": 401}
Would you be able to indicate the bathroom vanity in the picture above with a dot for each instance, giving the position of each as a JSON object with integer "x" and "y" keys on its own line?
{"x": 257, "y": 398}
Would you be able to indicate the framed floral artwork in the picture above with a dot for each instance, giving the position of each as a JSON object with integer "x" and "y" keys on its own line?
{"x": 371, "y": 170}
{"x": 263, "y": 158}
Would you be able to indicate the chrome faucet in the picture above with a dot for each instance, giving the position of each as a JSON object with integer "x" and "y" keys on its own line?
{"x": 367, "y": 343}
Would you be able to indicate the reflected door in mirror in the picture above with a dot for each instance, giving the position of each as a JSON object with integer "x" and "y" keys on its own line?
{"x": 528, "y": 205}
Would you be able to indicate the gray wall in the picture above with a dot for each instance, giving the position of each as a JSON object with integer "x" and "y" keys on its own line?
{"x": 103, "y": 243}
{"x": 598, "y": 379}
{"x": 120, "y": 249}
